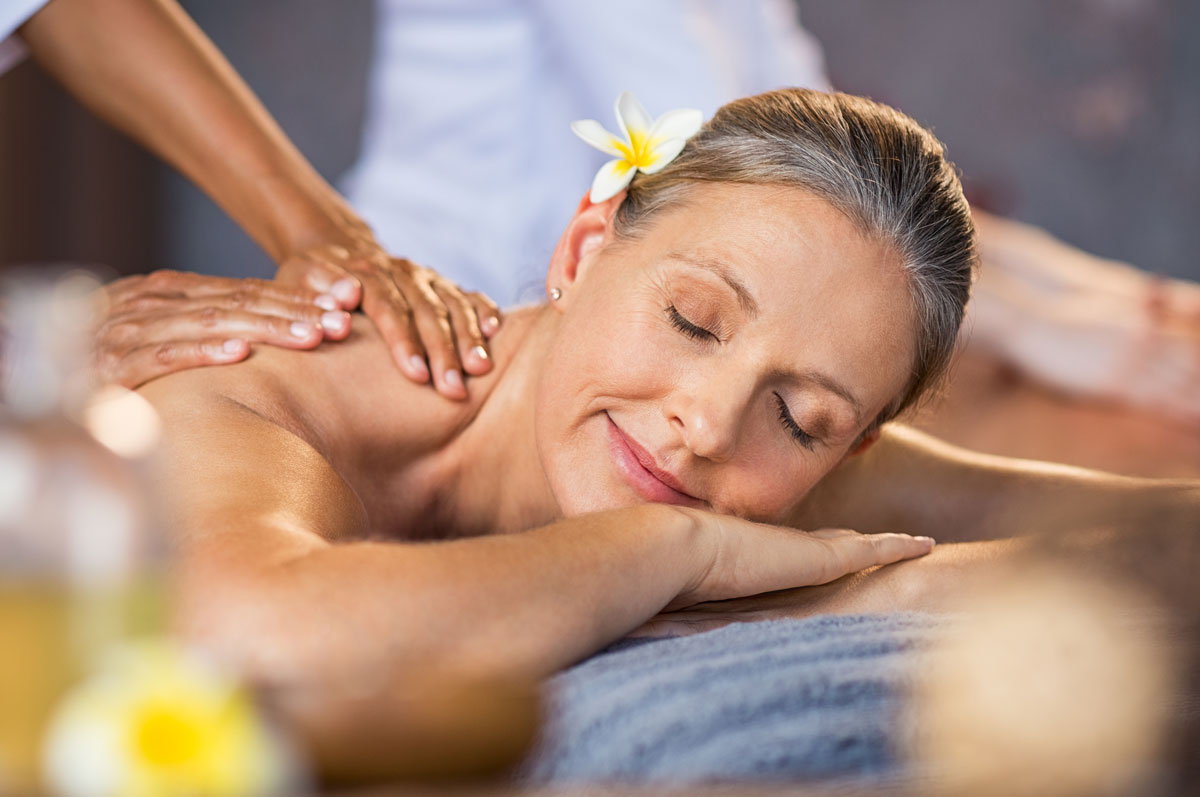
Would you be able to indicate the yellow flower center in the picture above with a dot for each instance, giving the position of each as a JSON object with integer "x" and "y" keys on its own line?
{"x": 164, "y": 737}
{"x": 640, "y": 151}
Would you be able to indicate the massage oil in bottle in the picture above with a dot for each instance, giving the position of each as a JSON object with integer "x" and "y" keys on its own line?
{"x": 77, "y": 562}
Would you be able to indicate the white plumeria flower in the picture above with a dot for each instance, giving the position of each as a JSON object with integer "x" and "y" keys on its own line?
{"x": 647, "y": 146}
{"x": 152, "y": 721}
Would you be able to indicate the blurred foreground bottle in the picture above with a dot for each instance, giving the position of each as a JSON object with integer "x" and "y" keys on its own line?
{"x": 79, "y": 566}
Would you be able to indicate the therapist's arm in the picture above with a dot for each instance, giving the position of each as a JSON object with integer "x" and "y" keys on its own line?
{"x": 146, "y": 68}
{"x": 1086, "y": 326}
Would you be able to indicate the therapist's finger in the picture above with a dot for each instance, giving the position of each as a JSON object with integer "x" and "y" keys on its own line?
{"x": 399, "y": 298}
{"x": 471, "y": 344}
{"x": 487, "y": 312}
{"x": 150, "y": 362}
{"x": 226, "y": 317}
{"x": 434, "y": 324}
{"x": 387, "y": 308}
{"x": 207, "y": 322}
{"x": 328, "y": 276}
{"x": 164, "y": 286}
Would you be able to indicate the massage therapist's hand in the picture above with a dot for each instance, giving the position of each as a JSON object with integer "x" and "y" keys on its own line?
{"x": 169, "y": 321}
{"x": 1087, "y": 326}
{"x": 745, "y": 558}
{"x": 430, "y": 325}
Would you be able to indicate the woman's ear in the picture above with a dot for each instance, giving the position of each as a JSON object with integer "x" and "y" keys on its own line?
{"x": 588, "y": 230}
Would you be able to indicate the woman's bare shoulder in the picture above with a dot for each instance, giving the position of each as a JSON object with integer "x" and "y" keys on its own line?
{"x": 342, "y": 395}
{"x": 330, "y": 430}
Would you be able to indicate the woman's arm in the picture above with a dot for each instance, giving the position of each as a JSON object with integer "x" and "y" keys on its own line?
{"x": 269, "y": 571}
{"x": 910, "y": 481}
{"x": 940, "y": 582}
{"x": 986, "y": 513}
{"x": 146, "y": 68}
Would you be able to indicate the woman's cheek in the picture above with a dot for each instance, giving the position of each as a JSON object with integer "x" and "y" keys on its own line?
{"x": 641, "y": 351}
{"x": 781, "y": 487}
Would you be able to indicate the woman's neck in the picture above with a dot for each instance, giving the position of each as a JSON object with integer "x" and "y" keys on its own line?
{"x": 495, "y": 482}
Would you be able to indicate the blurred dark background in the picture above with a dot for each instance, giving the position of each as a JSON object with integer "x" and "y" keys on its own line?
{"x": 1082, "y": 116}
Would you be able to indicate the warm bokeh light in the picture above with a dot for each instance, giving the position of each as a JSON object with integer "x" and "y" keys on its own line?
{"x": 123, "y": 422}
{"x": 1052, "y": 684}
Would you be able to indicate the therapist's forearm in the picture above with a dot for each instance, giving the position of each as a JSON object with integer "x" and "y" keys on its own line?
{"x": 146, "y": 68}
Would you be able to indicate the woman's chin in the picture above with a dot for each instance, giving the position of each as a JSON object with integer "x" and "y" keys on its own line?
{"x": 584, "y": 504}
{"x": 592, "y": 495}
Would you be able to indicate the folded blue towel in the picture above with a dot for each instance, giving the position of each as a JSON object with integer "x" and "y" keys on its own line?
{"x": 784, "y": 699}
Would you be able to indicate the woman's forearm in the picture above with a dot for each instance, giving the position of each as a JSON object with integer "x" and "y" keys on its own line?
{"x": 939, "y": 582}
{"x": 522, "y": 605}
{"x": 147, "y": 69}
{"x": 914, "y": 483}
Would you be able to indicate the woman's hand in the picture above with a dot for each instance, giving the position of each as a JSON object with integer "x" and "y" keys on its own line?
{"x": 169, "y": 321}
{"x": 428, "y": 322}
{"x": 746, "y": 558}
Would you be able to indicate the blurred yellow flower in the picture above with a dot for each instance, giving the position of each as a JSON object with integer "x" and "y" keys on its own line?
{"x": 152, "y": 721}
{"x": 647, "y": 146}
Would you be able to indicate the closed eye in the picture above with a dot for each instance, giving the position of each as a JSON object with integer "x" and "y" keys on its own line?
{"x": 785, "y": 417}
{"x": 687, "y": 327}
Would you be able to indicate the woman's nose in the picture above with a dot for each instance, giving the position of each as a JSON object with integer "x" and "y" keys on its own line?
{"x": 709, "y": 419}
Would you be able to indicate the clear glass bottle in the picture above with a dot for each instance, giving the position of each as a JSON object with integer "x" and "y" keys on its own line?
{"x": 78, "y": 561}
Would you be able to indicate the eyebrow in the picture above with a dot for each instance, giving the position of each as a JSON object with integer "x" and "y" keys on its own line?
{"x": 722, "y": 270}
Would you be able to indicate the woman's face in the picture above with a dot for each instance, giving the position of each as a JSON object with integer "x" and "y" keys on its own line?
{"x": 727, "y": 358}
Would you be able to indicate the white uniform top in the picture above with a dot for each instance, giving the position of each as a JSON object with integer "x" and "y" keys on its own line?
{"x": 468, "y": 163}
{"x": 13, "y": 14}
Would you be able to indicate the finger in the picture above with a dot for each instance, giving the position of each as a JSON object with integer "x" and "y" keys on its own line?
{"x": 432, "y": 321}
{"x": 225, "y": 314}
{"x": 388, "y": 310}
{"x": 162, "y": 287}
{"x": 325, "y": 277}
{"x": 208, "y": 322}
{"x": 487, "y": 312}
{"x": 829, "y": 534}
{"x": 471, "y": 345}
{"x": 159, "y": 359}
{"x": 860, "y": 551}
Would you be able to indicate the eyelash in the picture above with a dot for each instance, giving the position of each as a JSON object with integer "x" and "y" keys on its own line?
{"x": 799, "y": 435}
{"x": 687, "y": 327}
{"x": 785, "y": 417}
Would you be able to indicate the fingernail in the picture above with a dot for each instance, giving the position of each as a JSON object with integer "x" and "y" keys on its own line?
{"x": 453, "y": 378}
{"x": 301, "y": 329}
{"x": 326, "y": 302}
{"x": 418, "y": 365}
{"x": 334, "y": 321}
{"x": 232, "y": 346}
{"x": 479, "y": 352}
{"x": 343, "y": 290}
{"x": 929, "y": 540}
{"x": 490, "y": 324}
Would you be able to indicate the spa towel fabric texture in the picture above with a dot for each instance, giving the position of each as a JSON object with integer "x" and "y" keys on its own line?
{"x": 819, "y": 698}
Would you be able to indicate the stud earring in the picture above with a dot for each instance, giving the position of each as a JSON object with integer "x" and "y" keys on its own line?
{"x": 555, "y": 294}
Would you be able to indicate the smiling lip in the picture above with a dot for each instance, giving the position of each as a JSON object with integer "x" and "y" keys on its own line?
{"x": 639, "y": 469}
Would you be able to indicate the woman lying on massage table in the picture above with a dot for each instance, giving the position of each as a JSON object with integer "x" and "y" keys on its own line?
{"x": 723, "y": 341}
